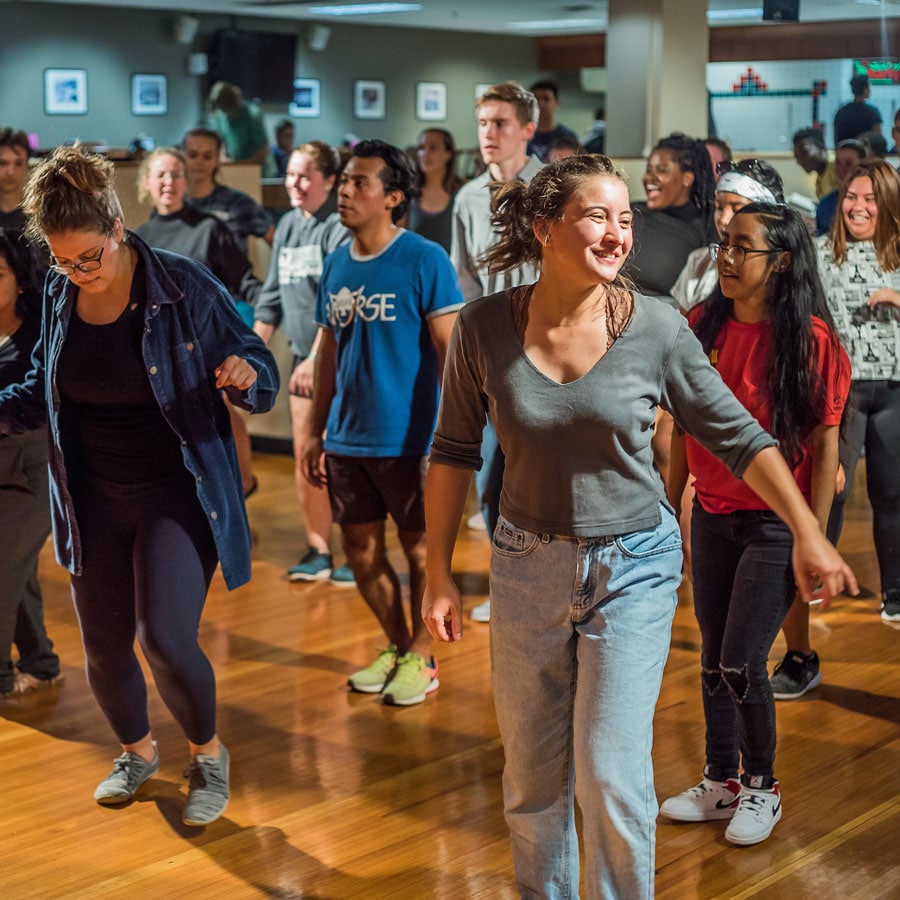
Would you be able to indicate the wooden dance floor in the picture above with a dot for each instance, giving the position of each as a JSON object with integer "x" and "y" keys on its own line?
{"x": 336, "y": 796}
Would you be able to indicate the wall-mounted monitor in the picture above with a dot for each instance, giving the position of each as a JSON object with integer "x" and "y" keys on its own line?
{"x": 260, "y": 63}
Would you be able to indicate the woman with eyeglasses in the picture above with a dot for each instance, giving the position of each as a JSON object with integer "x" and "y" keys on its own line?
{"x": 740, "y": 183}
{"x": 859, "y": 262}
{"x": 768, "y": 331}
{"x": 135, "y": 346}
{"x": 586, "y": 558}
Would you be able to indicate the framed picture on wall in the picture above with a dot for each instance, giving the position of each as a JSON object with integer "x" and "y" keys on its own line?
{"x": 65, "y": 92}
{"x": 148, "y": 95}
{"x": 369, "y": 99}
{"x": 431, "y": 101}
{"x": 305, "y": 104}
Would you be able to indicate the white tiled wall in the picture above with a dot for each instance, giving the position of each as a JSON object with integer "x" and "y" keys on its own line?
{"x": 766, "y": 124}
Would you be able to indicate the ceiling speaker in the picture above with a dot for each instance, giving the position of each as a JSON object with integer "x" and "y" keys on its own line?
{"x": 186, "y": 29}
{"x": 318, "y": 36}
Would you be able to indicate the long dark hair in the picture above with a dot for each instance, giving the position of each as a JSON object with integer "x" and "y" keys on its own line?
{"x": 692, "y": 156}
{"x": 19, "y": 258}
{"x": 793, "y": 295}
{"x": 451, "y": 182}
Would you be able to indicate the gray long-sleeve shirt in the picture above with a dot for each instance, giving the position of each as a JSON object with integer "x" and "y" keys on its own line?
{"x": 288, "y": 296}
{"x": 579, "y": 461}
{"x": 473, "y": 235}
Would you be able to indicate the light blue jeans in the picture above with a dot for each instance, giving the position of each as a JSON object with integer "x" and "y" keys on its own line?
{"x": 580, "y": 633}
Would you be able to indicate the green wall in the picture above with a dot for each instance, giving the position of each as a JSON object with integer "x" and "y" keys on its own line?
{"x": 112, "y": 44}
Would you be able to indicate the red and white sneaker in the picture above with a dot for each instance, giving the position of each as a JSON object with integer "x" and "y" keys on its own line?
{"x": 708, "y": 800}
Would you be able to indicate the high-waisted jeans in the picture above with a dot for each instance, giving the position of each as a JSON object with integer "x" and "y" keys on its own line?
{"x": 743, "y": 588}
{"x": 580, "y": 633}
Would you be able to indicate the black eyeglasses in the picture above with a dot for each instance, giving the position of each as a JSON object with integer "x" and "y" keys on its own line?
{"x": 734, "y": 254}
{"x": 87, "y": 265}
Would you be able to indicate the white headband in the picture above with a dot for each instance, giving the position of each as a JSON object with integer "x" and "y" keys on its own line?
{"x": 738, "y": 183}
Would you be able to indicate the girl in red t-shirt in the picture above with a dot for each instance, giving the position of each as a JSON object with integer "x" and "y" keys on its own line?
{"x": 769, "y": 333}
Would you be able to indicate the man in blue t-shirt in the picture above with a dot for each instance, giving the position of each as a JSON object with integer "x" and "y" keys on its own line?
{"x": 387, "y": 303}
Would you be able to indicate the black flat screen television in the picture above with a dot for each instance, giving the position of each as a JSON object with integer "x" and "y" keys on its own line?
{"x": 260, "y": 63}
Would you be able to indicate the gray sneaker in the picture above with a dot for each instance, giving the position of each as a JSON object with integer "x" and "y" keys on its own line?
{"x": 129, "y": 772}
{"x": 795, "y": 675}
{"x": 207, "y": 788}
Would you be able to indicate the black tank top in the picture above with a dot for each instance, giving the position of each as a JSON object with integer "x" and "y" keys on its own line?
{"x": 113, "y": 428}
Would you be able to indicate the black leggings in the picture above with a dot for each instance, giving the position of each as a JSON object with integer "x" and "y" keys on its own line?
{"x": 874, "y": 423}
{"x": 148, "y": 556}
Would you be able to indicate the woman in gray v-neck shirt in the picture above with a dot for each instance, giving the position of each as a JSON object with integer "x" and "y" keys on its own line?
{"x": 586, "y": 558}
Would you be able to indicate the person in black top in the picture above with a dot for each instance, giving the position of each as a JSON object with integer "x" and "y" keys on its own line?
{"x": 677, "y": 216}
{"x": 135, "y": 346}
{"x": 856, "y": 117}
{"x": 24, "y": 495}
{"x": 14, "y": 153}
{"x": 176, "y": 226}
{"x": 431, "y": 213}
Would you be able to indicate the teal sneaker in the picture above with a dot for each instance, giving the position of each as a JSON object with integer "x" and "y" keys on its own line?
{"x": 208, "y": 790}
{"x": 129, "y": 772}
{"x": 414, "y": 679}
{"x": 314, "y": 566}
{"x": 373, "y": 678}
{"x": 342, "y": 576}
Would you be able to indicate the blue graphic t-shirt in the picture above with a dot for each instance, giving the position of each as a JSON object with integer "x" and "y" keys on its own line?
{"x": 378, "y": 308}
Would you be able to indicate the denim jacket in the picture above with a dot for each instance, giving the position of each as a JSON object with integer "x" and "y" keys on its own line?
{"x": 190, "y": 327}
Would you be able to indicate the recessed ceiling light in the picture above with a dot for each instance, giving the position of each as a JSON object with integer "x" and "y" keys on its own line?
{"x": 714, "y": 15}
{"x": 548, "y": 24}
{"x": 364, "y": 9}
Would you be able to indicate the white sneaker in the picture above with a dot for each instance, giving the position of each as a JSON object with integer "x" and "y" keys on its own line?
{"x": 708, "y": 800}
{"x": 482, "y": 612}
{"x": 476, "y": 522}
{"x": 757, "y": 814}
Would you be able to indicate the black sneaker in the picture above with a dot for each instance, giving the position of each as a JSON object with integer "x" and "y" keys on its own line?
{"x": 890, "y": 605}
{"x": 795, "y": 675}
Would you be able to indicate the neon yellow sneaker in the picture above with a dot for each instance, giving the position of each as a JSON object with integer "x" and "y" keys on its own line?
{"x": 414, "y": 679}
{"x": 373, "y": 678}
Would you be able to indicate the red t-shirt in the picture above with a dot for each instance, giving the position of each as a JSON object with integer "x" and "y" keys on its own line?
{"x": 742, "y": 355}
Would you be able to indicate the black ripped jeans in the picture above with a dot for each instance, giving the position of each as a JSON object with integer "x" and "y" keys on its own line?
{"x": 743, "y": 588}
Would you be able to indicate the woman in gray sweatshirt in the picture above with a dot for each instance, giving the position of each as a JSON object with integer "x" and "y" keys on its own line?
{"x": 586, "y": 558}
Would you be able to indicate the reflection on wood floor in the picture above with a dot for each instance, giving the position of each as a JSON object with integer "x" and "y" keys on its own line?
{"x": 337, "y": 796}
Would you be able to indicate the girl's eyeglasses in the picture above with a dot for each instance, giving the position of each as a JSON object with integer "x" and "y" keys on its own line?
{"x": 735, "y": 255}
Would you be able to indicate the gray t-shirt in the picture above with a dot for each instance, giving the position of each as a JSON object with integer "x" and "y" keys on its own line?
{"x": 288, "y": 297}
{"x": 473, "y": 235}
{"x": 579, "y": 460}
